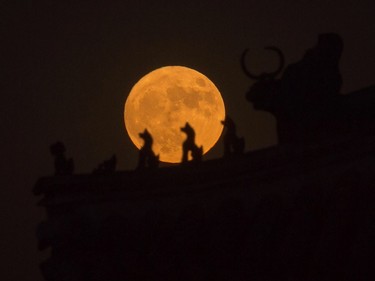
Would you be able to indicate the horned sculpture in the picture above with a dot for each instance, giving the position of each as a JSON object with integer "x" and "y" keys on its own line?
{"x": 265, "y": 86}
{"x": 306, "y": 99}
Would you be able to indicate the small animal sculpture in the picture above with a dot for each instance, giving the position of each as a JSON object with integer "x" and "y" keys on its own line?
{"x": 63, "y": 166}
{"x": 233, "y": 145}
{"x": 107, "y": 167}
{"x": 190, "y": 146}
{"x": 147, "y": 156}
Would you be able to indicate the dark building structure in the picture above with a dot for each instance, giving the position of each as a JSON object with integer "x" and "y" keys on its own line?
{"x": 302, "y": 210}
{"x": 275, "y": 214}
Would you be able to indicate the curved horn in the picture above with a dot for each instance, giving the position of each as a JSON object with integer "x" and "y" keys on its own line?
{"x": 281, "y": 60}
{"x": 244, "y": 68}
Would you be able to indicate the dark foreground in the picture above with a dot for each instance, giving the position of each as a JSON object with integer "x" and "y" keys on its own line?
{"x": 278, "y": 214}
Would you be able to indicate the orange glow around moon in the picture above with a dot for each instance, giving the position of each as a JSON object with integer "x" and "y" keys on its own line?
{"x": 164, "y": 100}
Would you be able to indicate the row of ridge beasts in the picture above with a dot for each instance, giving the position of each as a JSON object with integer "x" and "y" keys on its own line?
{"x": 233, "y": 145}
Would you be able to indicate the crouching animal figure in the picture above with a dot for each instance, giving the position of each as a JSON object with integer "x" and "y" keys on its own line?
{"x": 107, "y": 166}
{"x": 147, "y": 156}
{"x": 233, "y": 145}
{"x": 190, "y": 146}
{"x": 63, "y": 166}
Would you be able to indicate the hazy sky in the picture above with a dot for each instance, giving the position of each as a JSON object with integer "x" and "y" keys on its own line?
{"x": 69, "y": 65}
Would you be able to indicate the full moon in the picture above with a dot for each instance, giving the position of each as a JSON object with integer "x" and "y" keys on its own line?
{"x": 164, "y": 100}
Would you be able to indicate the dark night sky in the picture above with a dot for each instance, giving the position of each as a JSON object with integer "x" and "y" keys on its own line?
{"x": 68, "y": 66}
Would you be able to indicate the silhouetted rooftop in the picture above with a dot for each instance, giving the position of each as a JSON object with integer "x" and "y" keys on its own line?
{"x": 274, "y": 163}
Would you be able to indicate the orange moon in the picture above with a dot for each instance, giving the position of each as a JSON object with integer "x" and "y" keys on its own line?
{"x": 164, "y": 100}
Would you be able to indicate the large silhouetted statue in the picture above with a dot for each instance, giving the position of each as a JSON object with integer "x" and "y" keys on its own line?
{"x": 107, "y": 166}
{"x": 190, "y": 146}
{"x": 306, "y": 99}
{"x": 147, "y": 157}
{"x": 233, "y": 145}
{"x": 63, "y": 166}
